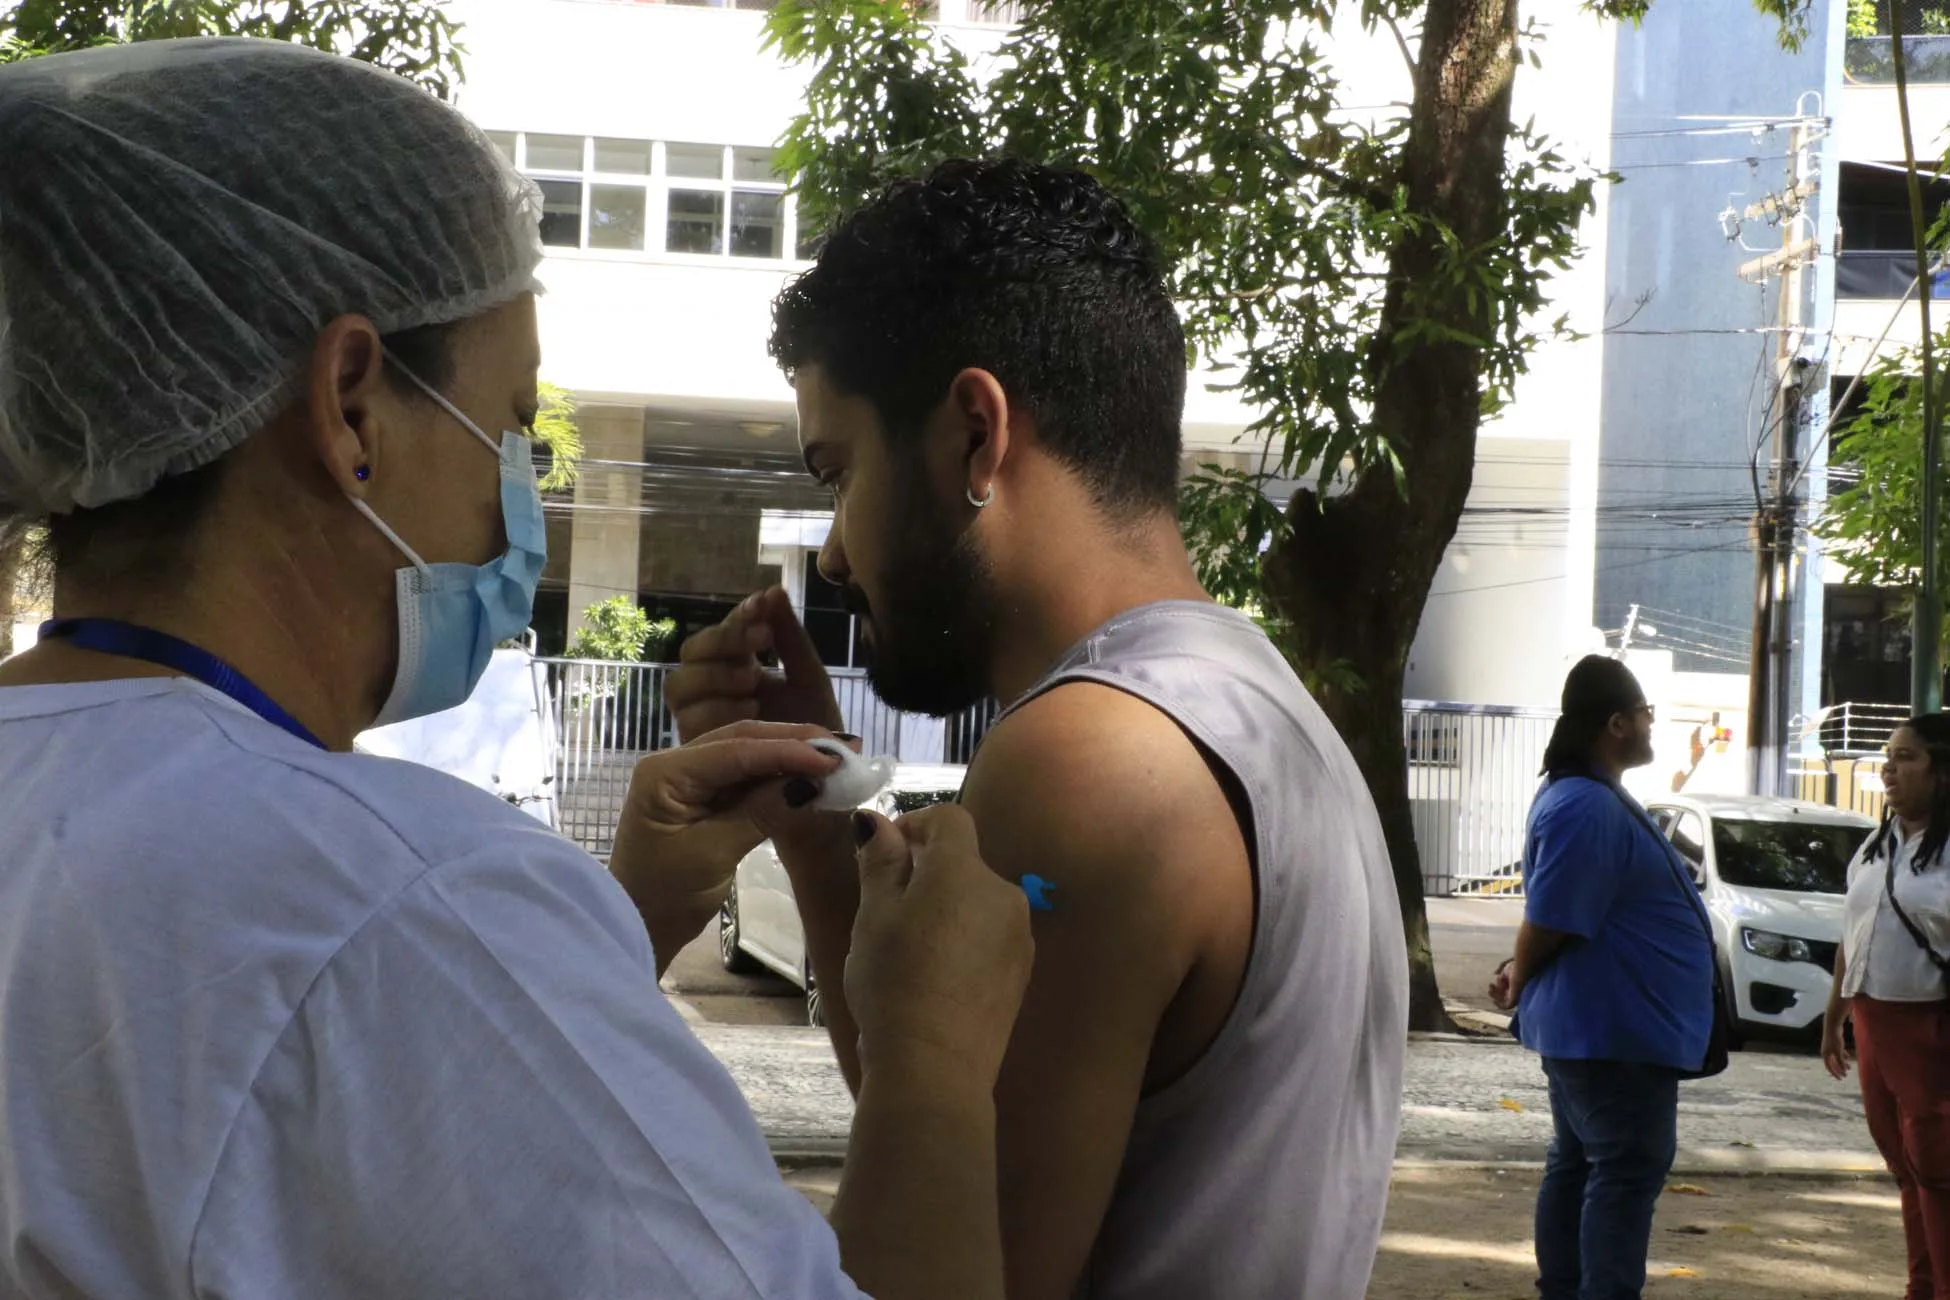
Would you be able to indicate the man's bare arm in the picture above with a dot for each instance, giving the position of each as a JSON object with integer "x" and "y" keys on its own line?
{"x": 1106, "y": 800}
{"x": 1537, "y": 947}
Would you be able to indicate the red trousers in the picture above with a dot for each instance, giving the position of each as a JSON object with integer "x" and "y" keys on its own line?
{"x": 1904, "y": 1052}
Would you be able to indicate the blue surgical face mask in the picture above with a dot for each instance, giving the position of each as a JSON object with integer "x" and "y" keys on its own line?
{"x": 451, "y": 616}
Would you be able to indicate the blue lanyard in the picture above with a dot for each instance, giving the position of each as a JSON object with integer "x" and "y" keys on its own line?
{"x": 111, "y": 636}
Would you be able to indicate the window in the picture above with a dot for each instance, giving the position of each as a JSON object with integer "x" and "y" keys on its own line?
{"x": 623, "y": 157}
{"x": 641, "y": 196}
{"x": 554, "y": 153}
{"x": 699, "y": 161}
{"x": 1800, "y": 857}
{"x": 561, "y": 213}
{"x": 618, "y": 216}
{"x": 977, "y": 13}
{"x": 753, "y": 165}
{"x": 724, "y": 200}
{"x": 695, "y": 223}
{"x": 757, "y": 224}
{"x": 1689, "y": 837}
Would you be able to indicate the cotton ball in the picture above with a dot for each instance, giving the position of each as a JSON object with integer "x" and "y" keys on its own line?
{"x": 854, "y": 782}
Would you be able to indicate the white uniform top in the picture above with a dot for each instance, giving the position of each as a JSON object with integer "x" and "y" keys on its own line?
{"x": 1884, "y": 960}
{"x": 277, "y": 1022}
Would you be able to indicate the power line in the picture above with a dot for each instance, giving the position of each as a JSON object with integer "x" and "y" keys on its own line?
{"x": 1703, "y": 331}
{"x": 1732, "y": 128}
{"x": 1673, "y": 615}
{"x": 1754, "y": 160}
{"x": 1603, "y": 568}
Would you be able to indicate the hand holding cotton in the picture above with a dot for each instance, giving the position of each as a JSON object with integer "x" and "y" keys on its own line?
{"x": 856, "y": 780}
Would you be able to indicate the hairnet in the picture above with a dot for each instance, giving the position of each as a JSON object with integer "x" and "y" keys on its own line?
{"x": 178, "y": 219}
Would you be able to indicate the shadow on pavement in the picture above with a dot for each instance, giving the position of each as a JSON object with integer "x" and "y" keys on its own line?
{"x": 1455, "y": 1233}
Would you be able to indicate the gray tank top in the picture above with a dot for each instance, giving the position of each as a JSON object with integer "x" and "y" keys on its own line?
{"x": 1262, "y": 1174}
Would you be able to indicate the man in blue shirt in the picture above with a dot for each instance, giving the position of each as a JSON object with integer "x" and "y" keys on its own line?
{"x": 1613, "y": 981}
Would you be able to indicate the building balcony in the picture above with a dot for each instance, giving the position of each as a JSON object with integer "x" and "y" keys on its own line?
{"x": 1870, "y": 60}
{"x": 1879, "y": 274}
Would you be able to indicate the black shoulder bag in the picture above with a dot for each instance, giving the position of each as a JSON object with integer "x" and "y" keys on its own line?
{"x": 1716, "y": 1041}
{"x": 1909, "y": 923}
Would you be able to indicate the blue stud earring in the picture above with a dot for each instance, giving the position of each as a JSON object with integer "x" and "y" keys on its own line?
{"x": 362, "y": 473}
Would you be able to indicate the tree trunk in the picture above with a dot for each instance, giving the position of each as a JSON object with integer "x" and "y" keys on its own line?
{"x": 1428, "y": 405}
{"x": 11, "y": 559}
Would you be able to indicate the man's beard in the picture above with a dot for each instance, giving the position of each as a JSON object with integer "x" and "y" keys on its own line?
{"x": 932, "y": 634}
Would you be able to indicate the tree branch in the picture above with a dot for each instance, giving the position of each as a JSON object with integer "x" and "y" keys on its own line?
{"x": 1401, "y": 43}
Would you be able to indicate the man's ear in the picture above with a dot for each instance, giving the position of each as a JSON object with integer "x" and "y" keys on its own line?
{"x": 345, "y": 374}
{"x": 981, "y": 410}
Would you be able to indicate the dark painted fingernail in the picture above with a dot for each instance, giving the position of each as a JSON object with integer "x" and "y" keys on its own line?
{"x": 799, "y": 792}
{"x": 864, "y": 829}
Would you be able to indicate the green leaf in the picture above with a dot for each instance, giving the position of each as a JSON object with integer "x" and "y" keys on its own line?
{"x": 556, "y": 429}
{"x": 618, "y": 631}
{"x": 416, "y": 39}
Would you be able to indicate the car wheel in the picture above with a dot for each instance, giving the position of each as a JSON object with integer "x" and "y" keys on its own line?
{"x": 732, "y": 957}
{"x": 815, "y": 1006}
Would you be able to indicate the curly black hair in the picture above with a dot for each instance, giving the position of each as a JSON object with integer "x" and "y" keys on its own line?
{"x": 1933, "y": 729}
{"x": 1035, "y": 274}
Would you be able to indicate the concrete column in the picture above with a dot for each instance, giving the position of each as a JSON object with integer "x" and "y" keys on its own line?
{"x": 605, "y": 546}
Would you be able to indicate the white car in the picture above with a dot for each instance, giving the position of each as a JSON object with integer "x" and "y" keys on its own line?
{"x": 1773, "y": 873}
{"x": 758, "y": 927}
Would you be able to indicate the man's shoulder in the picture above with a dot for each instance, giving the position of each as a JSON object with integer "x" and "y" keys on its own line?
{"x": 1084, "y": 750}
{"x": 1571, "y": 798}
{"x": 1110, "y": 800}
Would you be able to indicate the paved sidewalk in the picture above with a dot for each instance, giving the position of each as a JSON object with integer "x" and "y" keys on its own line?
{"x": 1458, "y": 1233}
{"x": 1463, "y": 1101}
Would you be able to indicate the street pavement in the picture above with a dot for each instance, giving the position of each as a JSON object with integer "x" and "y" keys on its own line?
{"x": 704, "y": 991}
{"x": 1470, "y": 936}
{"x": 1463, "y": 1232}
{"x": 1467, "y": 1099}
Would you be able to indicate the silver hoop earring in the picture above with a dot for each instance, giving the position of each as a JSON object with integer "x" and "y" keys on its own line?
{"x": 981, "y": 501}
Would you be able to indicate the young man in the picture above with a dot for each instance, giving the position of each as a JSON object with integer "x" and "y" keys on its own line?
{"x": 1202, "y": 1095}
{"x": 1614, "y": 976}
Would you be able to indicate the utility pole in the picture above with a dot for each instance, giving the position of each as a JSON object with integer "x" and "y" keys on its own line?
{"x": 1926, "y": 656}
{"x": 1631, "y": 627}
{"x": 1777, "y": 514}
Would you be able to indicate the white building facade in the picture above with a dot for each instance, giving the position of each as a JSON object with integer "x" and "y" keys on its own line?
{"x": 649, "y": 127}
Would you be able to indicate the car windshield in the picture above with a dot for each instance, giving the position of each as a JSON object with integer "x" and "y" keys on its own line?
{"x": 1806, "y": 857}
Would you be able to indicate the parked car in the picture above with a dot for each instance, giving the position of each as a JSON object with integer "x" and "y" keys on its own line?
{"x": 758, "y": 927}
{"x": 1773, "y": 873}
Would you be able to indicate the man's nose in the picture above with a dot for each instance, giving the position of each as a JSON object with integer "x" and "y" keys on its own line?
{"x": 832, "y": 558}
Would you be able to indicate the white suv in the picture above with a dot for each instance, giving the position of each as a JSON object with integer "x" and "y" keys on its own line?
{"x": 1773, "y": 873}
{"x": 758, "y": 927}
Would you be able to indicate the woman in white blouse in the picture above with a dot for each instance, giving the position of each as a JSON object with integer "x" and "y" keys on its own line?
{"x": 1892, "y": 978}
